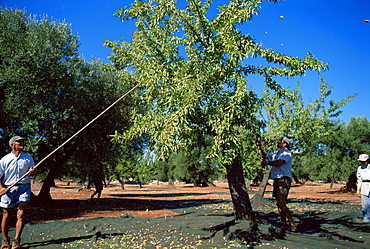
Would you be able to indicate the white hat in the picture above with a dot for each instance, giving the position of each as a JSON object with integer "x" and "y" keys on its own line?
{"x": 15, "y": 139}
{"x": 285, "y": 139}
{"x": 363, "y": 157}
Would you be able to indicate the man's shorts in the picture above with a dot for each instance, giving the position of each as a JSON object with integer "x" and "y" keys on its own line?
{"x": 16, "y": 195}
{"x": 98, "y": 187}
{"x": 281, "y": 186}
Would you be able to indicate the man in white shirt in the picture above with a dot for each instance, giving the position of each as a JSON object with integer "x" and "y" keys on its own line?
{"x": 363, "y": 185}
{"x": 281, "y": 162}
{"x": 12, "y": 167}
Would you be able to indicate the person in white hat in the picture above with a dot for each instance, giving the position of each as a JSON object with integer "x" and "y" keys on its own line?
{"x": 363, "y": 185}
{"x": 281, "y": 172}
{"x": 12, "y": 167}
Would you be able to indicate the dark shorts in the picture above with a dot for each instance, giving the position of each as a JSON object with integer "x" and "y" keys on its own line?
{"x": 281, "y": 186}
{"x": 98, "y": 187}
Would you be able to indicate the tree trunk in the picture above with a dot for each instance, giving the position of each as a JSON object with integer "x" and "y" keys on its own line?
{"x": 266, "y": 176}
{"x": 171, "y": 181}
{"x": 295, "y": 178}
{"x": 55, "y": 170}
{"x": 249, "y": 188}
{"x": 332, "y": 183}
{"x": 122, "y": 182}
{"x": 238, "y": 190}
{"x": 351, "y": 185}
{"x": 202, "y": 181}
{"x": 44, "y": 194}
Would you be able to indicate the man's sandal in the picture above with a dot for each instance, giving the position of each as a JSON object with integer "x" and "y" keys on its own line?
{"x": 5, "y": 244}
{"x": 16, "y": 243}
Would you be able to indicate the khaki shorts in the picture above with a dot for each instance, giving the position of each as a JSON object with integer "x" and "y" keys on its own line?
{"x": 281, "y": 186}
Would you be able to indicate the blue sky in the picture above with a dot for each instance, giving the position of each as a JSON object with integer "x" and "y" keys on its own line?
{"x": 334, "y": 30}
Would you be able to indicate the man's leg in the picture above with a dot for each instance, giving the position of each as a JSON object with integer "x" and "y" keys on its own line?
{"x": 365, "y": 207}
{"x": 21, "y": 219}
{"x": 284, "y": 211}
{"x": 281, "y": 212}
{"x": 5, "y": 223}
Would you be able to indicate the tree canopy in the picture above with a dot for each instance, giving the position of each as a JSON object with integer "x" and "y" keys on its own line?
{"x": 48, "y": 92}
{"x": 193, "y": 69}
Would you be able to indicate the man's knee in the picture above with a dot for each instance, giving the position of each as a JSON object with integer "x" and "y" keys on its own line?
{"x": 7, "y": 212}
{"x": 21, "y": 209}
{"x": 281, "y": 201}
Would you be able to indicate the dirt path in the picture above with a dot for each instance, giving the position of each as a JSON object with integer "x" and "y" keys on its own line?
{"x": 72, "y": 202}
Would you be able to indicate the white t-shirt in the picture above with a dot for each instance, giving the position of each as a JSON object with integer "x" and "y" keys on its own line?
{"x": 12, "y": 168}
{"x": 363, "y": 173}
{"x": 286, "y": 168}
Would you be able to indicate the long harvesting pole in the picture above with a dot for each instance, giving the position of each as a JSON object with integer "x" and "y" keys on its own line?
{"x": 69, "y": 139}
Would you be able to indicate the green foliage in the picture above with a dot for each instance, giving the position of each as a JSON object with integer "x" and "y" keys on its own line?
{"x": 146, "y": 168}
{"x": 334, "y": 156}
{"x": 194, "y": 166}
{"x": 192, "y": 72}
{"x": 165, "y": 170}
{"x": 289, "y": 115}
{"x": 130, "y": 162}
{"x": 36, "y": 79}
{"x": 47, "y": 93}
{"x": 93, "y": 94}
{"x": 251, "y": 164}
{"x": 358, "y": 130}
{"x": 192, "y": 68}
{"x": 317, "y": 136}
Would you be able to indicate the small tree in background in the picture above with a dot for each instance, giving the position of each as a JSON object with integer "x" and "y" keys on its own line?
{"x": 339, "y": 151}
{"x": 289, "y": 115}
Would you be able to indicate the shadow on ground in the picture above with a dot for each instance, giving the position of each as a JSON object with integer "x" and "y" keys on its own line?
{"x": 203, "y": 223}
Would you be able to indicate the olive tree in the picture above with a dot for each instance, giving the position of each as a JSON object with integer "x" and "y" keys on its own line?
{"x": 48, "y": 93}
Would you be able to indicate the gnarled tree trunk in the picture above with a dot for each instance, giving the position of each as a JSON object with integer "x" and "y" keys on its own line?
{"x": 238, "y": 190}
{"x": 55, "y": 169}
